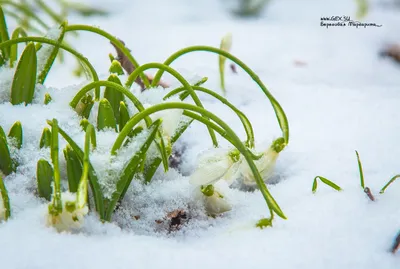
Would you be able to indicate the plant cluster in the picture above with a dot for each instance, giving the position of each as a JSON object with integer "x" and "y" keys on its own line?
{"x": 148, "y": 135}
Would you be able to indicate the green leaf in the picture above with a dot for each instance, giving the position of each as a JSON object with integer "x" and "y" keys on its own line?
{"x": 114, "y": 96}
{"x": 325, "y": 181}
{"x": 388, "y": 184}
{"x": 105, "y": 117}
{"x": 4, "y": 35}
{"x": 74, "y": 168}
{"x": 85, "y": 124}
{"x": 47, "y": 99}
{"x": 360, "y": 169}
{"x": 45, "y": 176}
{"x": 123, "y": 115}
{"x": 48, "y": 55}
{"x": 6, "y": 164}
{"x": 93, "y": 180}
{"x": 16, "y": 133}
{"x": 130, "y": 169}
{"x": 45, "y": 140}
{"x": 5, "y": 199}
{"x": 24, "y": 81}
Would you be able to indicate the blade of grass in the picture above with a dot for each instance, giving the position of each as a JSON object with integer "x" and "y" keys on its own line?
{"x": 360, "y": 169}
{"x": 325, "y": 181}
{"x": 388, "y": 184}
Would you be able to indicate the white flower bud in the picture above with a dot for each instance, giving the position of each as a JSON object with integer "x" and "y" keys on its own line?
{"x": 71, "y": 216}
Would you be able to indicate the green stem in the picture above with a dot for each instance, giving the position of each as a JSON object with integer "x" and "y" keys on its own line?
{"x": 245, "y": 121}
{"x": 55, "y": 43}
{"x": 280, "y": 114}
{"x": 114, "y": 40}
{"x": 132, "y": 77}
{"x": 5, "y": 198}
{"x": 57, "y": 205}
{"x": 82, "y": 193}
{"x": 26, "y": 11}
{"x": 234, "y": 139}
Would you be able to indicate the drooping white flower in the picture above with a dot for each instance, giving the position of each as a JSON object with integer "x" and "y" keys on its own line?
{"x": 170, "y": 120}
{"x": 214, "y": 202}
{"x": 265, "y": 165}
{"x": 71, "y": 216}
{"x": 214, "y": 166}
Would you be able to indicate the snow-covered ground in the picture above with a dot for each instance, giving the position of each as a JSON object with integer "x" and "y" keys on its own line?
{"x": 344, "y": 98}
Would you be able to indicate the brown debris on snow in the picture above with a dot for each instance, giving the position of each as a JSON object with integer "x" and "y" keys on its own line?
{"x": 396, "y": 245}
{"x": 127, "y": 65}
{"x": 175, "y": 219}
{"x": 392, "y": 51}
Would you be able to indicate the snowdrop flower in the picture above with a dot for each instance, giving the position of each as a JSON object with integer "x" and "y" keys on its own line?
{"x": 265, "y": 164}
{"x": 170, "y": 120}
{"x": 71, "y": 216}
{"x": 215, "y": 166}
{"x": 214, "y": 202}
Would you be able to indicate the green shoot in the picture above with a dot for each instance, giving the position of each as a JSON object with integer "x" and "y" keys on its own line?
{"x": 326, "y": 182}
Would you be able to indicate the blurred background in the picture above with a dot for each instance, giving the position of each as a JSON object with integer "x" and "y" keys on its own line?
{"x": 279, "y": 38}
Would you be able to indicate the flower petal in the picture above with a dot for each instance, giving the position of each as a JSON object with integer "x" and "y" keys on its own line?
{"x": 232, "y": 173}
{"x": 210, "y": 172}
{"x": 216, "y": 204}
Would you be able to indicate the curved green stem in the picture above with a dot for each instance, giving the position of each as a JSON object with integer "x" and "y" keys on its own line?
{"x": 234, "y": 139}
{"x": 55, "y": 43}
{"x": 132, "y": 77}
{"x": 245, "y": 121}
{"x": 25, "y": 10}
{"x": 280, "y": 114}
{"x": 113, "y": 85}
{"x": 114, "y": 40}
{"x": 19, "y": 31}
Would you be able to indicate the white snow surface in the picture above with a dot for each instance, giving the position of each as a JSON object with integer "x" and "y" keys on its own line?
{"x": 344, "y": 99}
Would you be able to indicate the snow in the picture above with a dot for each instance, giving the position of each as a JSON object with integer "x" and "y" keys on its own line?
{"x": 345, "y": 98}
